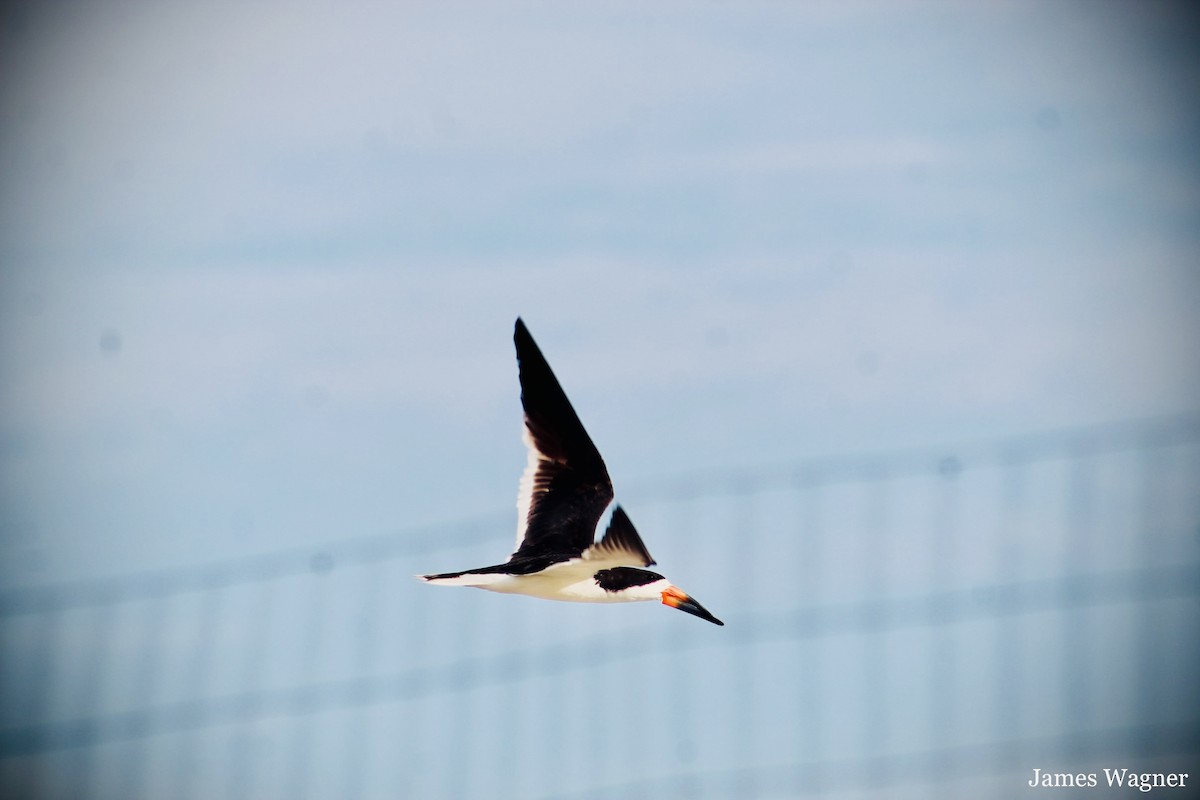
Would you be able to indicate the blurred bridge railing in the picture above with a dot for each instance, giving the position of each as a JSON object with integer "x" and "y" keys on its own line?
{"x": 925, "y": 623}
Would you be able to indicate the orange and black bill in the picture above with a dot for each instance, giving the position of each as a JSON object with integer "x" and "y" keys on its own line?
{"x": 677, "y": 598}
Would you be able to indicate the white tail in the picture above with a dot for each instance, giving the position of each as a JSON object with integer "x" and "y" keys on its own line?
{"x": 465, "y": 579}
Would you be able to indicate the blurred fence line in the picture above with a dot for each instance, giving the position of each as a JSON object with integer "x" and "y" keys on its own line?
{"x": 936, "y": 620}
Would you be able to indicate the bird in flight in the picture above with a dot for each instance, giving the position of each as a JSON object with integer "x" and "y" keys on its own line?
{"x": 564, "y": 494}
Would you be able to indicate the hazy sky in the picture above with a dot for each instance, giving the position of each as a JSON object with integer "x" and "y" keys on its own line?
{"x": 259, "y": 262}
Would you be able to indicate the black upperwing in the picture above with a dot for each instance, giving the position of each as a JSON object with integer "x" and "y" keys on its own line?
{"x": 566, "y": 486}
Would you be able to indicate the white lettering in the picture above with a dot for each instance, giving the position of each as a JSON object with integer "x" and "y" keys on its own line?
{"x": 1144, "y": 781}
{"x": 1061, "y": 779}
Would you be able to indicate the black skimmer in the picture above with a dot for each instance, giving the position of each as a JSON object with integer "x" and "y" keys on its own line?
{"x": 564, "y": 494}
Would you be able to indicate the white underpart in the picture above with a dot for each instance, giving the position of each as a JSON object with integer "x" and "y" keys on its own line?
{"x": 571, "y": 581}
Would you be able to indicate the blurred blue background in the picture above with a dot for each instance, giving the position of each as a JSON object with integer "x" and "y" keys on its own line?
{"x": 883, "y": 316}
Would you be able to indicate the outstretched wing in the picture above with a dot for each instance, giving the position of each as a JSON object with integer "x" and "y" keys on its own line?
{"x": 566, "y": 487}
{"x": 621, "y": 545}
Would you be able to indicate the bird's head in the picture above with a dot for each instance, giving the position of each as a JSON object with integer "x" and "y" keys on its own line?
{"x": 675, "y": 597}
